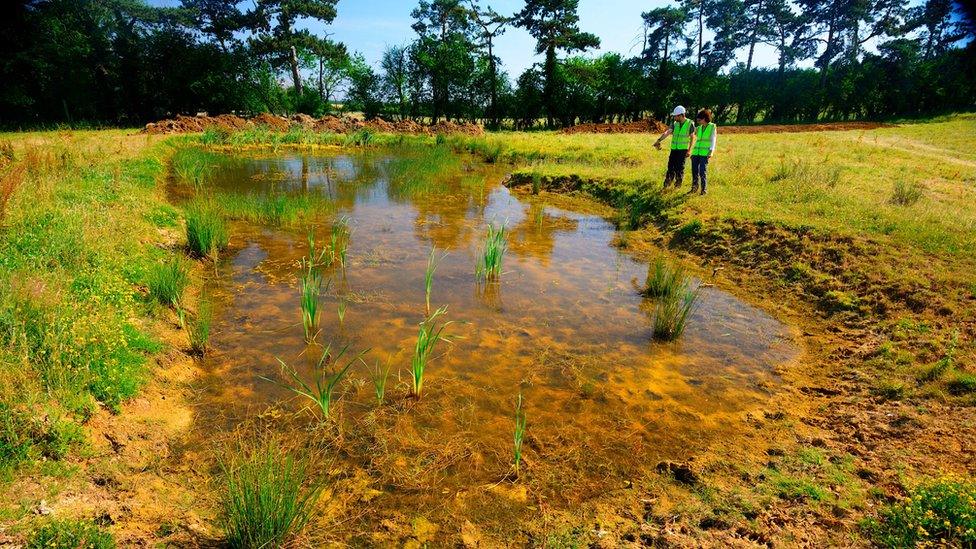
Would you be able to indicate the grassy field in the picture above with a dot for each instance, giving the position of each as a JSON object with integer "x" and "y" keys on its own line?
{"x": 872, "y": 234}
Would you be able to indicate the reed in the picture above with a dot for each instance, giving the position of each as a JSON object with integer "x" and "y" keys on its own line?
{"x": 430, "y": 333}
{"x": 310, "y": 283}
{"x": 322, "y": 388}
{"x": 664, "y": 279}
{"x": 199, "y": 330}
{"x": 379, "y": 376}
{"x": 192, "y": 166}
{"x": 672, "y": 311}
{"x": 432, "y": 262}
{"x": 168, "y": 280}
{"x": 268, "y": 495}
{"x": 520, "y": 425}
{"x": 339, "y": 244}
{"x": 342, "y": 310}
{"x": 206, "y": 230}
{"x": 492, "y": 254}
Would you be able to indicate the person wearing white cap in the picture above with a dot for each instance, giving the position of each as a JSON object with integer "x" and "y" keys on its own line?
{"x": 682, "y": 132}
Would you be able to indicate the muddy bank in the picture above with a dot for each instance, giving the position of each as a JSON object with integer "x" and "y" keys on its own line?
{"x": 653, "y": 126}
{"x": 330, "y": 124}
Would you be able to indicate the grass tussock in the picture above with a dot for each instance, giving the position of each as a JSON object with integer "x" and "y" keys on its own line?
{"x": 664, "y": 279}
{"x": 906, "y": 193}
{"x": 937, "y": 513}
{"x": 269, "y": 494}
{"x": 70, "y": 534}
{"x": 206, "y": 230}
{"x": 192, "y": 165}
{"x": 199, "y": 327}
{"x": 168, "y": 280}
{"x": 492, "y": 253}
{"x": 310, "y": 286}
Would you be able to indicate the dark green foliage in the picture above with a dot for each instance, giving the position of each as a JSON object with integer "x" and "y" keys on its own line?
{"x": 940, "y": 513}
{"x": 70, "y": 534}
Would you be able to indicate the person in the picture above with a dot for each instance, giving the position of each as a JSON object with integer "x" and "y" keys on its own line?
{"x": 682, "y": 132}
{"x": 706, "y": 135}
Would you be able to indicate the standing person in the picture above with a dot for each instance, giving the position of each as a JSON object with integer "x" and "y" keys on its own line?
{"x": 682, "y": 132}
{"x": 706, "y": 135}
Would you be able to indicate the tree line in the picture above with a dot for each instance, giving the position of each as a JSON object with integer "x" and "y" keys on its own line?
{"x": 124, "y": 61}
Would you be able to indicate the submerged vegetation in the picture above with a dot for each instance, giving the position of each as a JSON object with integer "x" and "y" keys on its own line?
{"x": 492, "y": 253}
{"x": 431, "y": 332}
{"x": 269, "y": 493}
{"x": 327, "y": 374}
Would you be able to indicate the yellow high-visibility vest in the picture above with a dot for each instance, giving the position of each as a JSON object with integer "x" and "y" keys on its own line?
{"x": 681, "y": 136}
{"x": 703, "y": 140}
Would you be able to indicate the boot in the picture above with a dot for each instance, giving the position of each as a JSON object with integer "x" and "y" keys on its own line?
{"x": 694, "y": 187}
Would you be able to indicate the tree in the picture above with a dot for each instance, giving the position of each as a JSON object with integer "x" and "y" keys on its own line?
{"x": 273, "y": 23}
{"x": 442, "y": 54}
{"x": 396, "y": 78}
{"x": 491, "y": 25}
{"x": 941, "y": 26}
{"x": 555, "y": 26}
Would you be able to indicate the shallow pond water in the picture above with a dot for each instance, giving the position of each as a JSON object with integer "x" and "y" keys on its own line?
{"x": 565, "y": 326}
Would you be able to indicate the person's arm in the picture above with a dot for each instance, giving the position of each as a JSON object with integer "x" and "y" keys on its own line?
{"x": 667, "y": 132}
{"x": 711, "y": 151}
{"x": 691, "y": 140}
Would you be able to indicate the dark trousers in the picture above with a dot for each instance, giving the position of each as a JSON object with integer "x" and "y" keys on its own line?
{"x": 676, "y": 168}
{"x": 699, "y": 171}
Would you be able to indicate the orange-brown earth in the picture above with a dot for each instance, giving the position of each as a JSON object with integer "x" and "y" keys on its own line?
{"x": 332, "y": 124}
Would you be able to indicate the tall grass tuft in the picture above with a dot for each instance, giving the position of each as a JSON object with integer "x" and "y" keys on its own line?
{"x": 490, "y": 262}
{"x": 432, "y": 262}
{"x": 199, "y": 329}
{"x": 10, "y": 180}
{"x": 339, "y": 244}
{"x": 430, "y": 333}
{"x": 325, "y": 382}
{"x": 664, "y": 279}
{"x": 905, "y": 193}
{"x": 520, "y": 425}
{"x": 361, "y": 138}
{"x": 310, "y": 283}
{"x": 206, "y": 231}
{"x": 168, "y": 280}
{"x": 672, "y": 311}
{"x": 192, "y": 166}
{"x": 268, "y": 495}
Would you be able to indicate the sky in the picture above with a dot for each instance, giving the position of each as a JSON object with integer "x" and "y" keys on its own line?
{"x": 369, "y": 26}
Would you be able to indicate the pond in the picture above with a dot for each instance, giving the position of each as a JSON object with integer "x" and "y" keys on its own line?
{"x": 565, "y": 326}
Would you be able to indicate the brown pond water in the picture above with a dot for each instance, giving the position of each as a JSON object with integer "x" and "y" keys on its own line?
{"x": 565, "y": 326}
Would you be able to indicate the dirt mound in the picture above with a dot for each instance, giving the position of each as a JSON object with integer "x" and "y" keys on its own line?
{"x": 641, "y": 126}
{"x": 653, "y": 126}
{"x": 273, "y": 123}
{"x": 191, "y": 124}
{"x": 330, "y": 124}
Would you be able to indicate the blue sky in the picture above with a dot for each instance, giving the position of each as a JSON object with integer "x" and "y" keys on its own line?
{"x": 368, "y": 26}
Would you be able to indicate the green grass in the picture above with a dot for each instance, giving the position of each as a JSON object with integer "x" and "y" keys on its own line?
{"x": 200, "y": 326}
{"x": 671, "y": 313}
{"x": 664, "y": 279}
{"x": 431, "y": 332}
{"x": 206, "y": 230}
{"x": 519, "y": 435}
{"x": 277, "y": 210}
{"x": 321, "y": 390}
{"x": 419, "y": 170}
{"x": 492, "y": 254}
{"x": 936, "y": 513}
{"x": 168, "y": 280}
{"x": 192, "y": 165}
{"x": 379, "y": 376}
{"x": 70, "y": 534}
{"x": 432, "y": 262}
{"x": 269, "y": 494}
{"x": 310, "y": 285}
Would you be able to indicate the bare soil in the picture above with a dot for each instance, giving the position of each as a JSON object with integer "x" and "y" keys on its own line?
{"x": 333, "y": 124}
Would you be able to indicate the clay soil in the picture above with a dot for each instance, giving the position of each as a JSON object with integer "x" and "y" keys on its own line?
{"x": 331, "y": 124}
